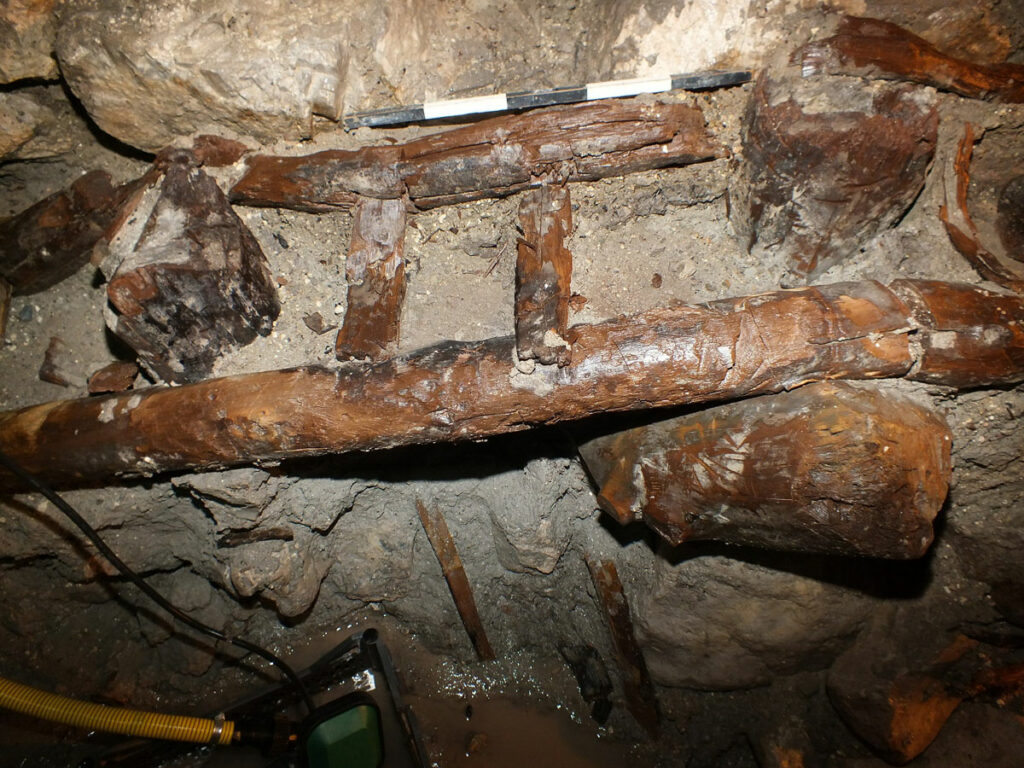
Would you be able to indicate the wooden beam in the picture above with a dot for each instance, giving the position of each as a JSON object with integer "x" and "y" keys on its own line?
{"x": 375, "y": 271}
{"x": 825, "y": 468}
{"x": 955, "y": 334}
{"x": 543, "y": 276}
{"x": 867, "y": 47}
{"x": 492, "y": 158}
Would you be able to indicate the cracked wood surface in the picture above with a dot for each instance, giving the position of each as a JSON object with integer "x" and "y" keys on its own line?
{"x": 875, "y": 48}
{"x": 375, "y": 272}
{"x": 543, "y": 276}
{"x": 825, "y": 468}
{"x": 955, "y": 334}
{"x": 492, "y": 158}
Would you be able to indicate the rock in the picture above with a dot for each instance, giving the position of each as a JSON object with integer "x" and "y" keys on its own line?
{"x": 530, "y": 532}
{"x": 27, "y": 33}
{"x": 60, "y": 366}
{"x": 717, "y": 623}
{"x": 828, "y": 164}
{"x": 30, "y": 127}
{"x": 285, "y": 574}
{"x": 234, "y": 498}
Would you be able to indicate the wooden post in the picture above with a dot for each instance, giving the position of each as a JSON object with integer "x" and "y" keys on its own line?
{"x": 962, "y": 336}
{"x": 543, "y": 275}
{"x": 375, "y": 271}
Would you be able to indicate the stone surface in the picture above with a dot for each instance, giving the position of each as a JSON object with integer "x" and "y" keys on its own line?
{"x": 28, "y": 30}
{"x": 30, "y": 126}
{"x": 719, "y": 623}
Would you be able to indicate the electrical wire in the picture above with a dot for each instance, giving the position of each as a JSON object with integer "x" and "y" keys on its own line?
{"x": 90, "y": 533}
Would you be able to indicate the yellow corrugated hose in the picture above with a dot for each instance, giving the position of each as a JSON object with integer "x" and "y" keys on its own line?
{"x": 97, "y": 717}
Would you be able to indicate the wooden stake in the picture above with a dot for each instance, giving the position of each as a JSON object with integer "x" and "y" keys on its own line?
{"x": 636, "y": 681}
{"x": 451, "y": 564}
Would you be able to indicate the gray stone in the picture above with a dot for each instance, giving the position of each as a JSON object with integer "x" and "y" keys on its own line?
{"x": 717, "y": 623}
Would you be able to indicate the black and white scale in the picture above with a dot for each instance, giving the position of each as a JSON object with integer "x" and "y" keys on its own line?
{"x": 519, "y": 100}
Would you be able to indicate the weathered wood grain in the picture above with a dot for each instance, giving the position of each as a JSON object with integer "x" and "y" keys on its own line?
{"x": 875, "y": 48}
{"x": 492, "y": 158}
{"x": 825, "y": 468}
{"x": 375, "y": 272}
{"x": 960, "y": 335}
{"x": 543, "y": 276}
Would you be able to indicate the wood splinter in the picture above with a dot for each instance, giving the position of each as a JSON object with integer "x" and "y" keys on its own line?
{"x": 636, "y": 680}
{"x": 451, "y": 565}
{"x": 375, "y": 271}
{"x": 543, "y": 275}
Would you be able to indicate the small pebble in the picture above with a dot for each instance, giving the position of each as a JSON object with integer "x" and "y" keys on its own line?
{"x": 25, "y": 313}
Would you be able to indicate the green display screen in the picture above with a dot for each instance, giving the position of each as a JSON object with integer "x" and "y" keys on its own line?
{"x": 350, "y": 739}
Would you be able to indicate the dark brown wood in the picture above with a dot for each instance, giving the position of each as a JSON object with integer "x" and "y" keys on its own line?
{"x": 962, "y": 230}
{"x": 960, "y": 335}
{"x": 375, "y": 271}
{"x": 212, "y": 151}
{"x": 636, "y": 680}
{"x": 196, "y": 283}
{"x": 874, "y": 48}
{"x": 451, "y": 565}
{"x": 825, "y": 468}
{"x": 117, "y": 376}
{"x": 5, "y": 306}
{"x": 492, "y": 158}
{"x": 543, "y": 276}
{"x": 820, "y": 182}
{"x": 54, "y": 238}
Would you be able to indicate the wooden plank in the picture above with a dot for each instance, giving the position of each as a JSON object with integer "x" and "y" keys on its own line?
{"x": 636, "y": 680}
{"x": 825, "y": 468}
{"x": 722, "y": 350}
{"x": 451, "y": 565}
{"x": 543, "y": 276}
{"x": 375, "y": 271}
{"x": 492, "y": 158}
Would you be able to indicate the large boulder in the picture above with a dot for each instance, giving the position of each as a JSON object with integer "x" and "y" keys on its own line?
{"x": 27, "y": 32}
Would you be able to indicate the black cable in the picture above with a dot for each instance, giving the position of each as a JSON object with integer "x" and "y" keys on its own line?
{"x": 91, "y": 534}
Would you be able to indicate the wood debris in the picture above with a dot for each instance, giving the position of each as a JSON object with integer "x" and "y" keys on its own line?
{"x": 195, "y": 284}
{"x": 117, "y": 376}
